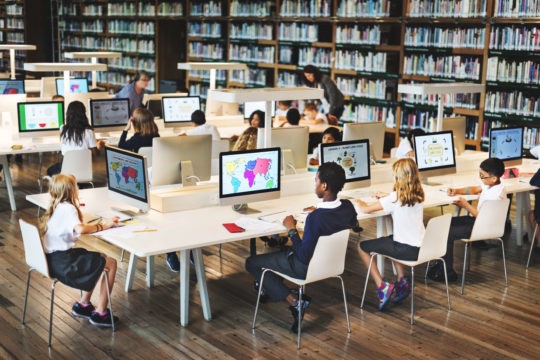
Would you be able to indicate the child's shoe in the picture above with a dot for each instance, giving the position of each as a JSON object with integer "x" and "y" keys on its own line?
{"x": 403, "y": 289}
{"x": 82, "y": 311}
{"x": 296, "y": 309}
{"x": 103, "y": 320}
{"x": 384, "y": 292}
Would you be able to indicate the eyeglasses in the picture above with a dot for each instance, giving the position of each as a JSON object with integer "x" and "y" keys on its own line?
{"x": 483, "y": 177}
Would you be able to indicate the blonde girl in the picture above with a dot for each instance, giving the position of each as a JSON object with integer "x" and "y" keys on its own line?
{"x": 145, "y": 130}
{"x": 405, "y": 205}
{"x": 76, "y": 267}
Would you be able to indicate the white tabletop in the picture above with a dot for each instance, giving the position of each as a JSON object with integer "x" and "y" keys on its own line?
{"x": 266, "y": 94}
{"x": 17, "y": 47}
{"x": 92, "y": 54}
{"x": 441, "y": 88}
{"x": 64, "y": 67}
{"x": 212, "y": 66}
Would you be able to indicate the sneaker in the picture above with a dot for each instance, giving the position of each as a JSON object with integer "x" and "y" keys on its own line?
{"x": 403, "y": 289}
{"x": 294, "y": 311}
{"x": 81, "y": 311}
{"x": 384, "y": 292}
{"x": 173, "y": 262}
{"x": 103, "y": 320}
{"x": 264, "y": 296}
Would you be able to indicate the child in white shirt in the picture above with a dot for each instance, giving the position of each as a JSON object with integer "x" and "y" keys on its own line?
{"x": 330, "y": 135}
{"x": 405, "y": 148}
{"x": 201, "y": 127}
{"x": 313, "y": 116}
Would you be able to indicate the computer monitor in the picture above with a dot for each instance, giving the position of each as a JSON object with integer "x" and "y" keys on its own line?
{"x": 178, "y": 109}
{"x": 109, "y": 114}
{"x": 293, "y": 142}
{"x": 37, "y": 119}
{"x": 250, "y": 107}
{"x": 248, "y": 176}
{"x": 507, "y": 145}
{"x": 434, "y": 154}
{"x": 155, "y": 107}
{"x": 373, "y": 131}
{"x": 181, "y": 159}
{"x": 8, "y": 109}
{"x": 127, "y": 178}
{"x": 458, "y": 127}
{"x": 48, "y": 86}
{"x": 76, "y": 85}
{"x": 167, "y": 86}
{"x": 353, "y": 157}
{"x": 148, "y": 97}
{"x": 10, "y": 87}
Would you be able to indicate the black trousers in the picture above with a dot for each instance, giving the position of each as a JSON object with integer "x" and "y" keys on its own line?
{"x": 460, "y": 228}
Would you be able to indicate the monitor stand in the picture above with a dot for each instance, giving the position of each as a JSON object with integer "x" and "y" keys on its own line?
{"x": 128, "y": 212}
{"x": 425, "y": 181}
{"x": 288, "y": 162}
{"x": 244, "y": 209}
{"x": 186, "y": 172}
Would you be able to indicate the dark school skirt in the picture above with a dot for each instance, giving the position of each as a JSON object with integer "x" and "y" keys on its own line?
{"x": 76, "y": 267}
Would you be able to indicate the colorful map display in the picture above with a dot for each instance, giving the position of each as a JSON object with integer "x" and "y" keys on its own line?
{"x": 126, "y": 174}
{"x": 246, "y": 173}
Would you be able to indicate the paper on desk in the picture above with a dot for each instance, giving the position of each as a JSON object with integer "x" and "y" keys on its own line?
{"x": 254, "y": 224}
{"x": 122, "y": 231}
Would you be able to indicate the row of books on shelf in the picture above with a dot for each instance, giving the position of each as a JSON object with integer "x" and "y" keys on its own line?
{"x": 88, "y": 10}
{"x": 363, "y": 113}
{"x": 143, "y": 46}
{"x": 13, "y": 23}
{"x": 164, "y": 8}
{"x": 131, "y": 27}
{"x": 298, "y": 32}
{"x": 464, "y": 101}
{"x": 306, "y": 8}
{"x": 446, "y": 8}
{"x": 213, "y": 51}
{"x": 205, "y": 29}
{"x": 426, "y": 120}
{"x": 515, "y": 37}
{"x": 362, "y": 87}
{"x": 523, "y": 72}
{"x": 221, "y": 75}
{"x": 250, "y": 8}
{"x": 131, "y": 9}
{"x": 246, "y": 53}
{"x": 512, "y": 102}
{"x": 206, "y": 8}
{"x": 520, "y": 8}
{"x": 360, "y": 60}
{"x": 358, "y": 34}
{"x": 14, "y": 9}
{"x": 198, "y": 89}
{"x": 287, "y": 79}
{"x": 71, "y": 9}
{"x": 124, "y": 62}
{"x": 15, "y": 37}
{"x": 252, "y": 31}
{"x": 420, "y": 36}
{"x": 256, "y": 77}
{"x": 451, "y": 66}
{"x": 319, "y": 57}
{"x": 531, "y": 135}
{"x": 363, "y": 8}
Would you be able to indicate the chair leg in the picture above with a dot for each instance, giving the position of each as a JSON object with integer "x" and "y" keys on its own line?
{"x": 504, "y": 262}
{"x": 464, "y": 268}
{"x": 106, "y": 276}
{"x": 367, "y": 279}
{"x": 533, "y": 240}
{"x": 219, "y": 251}
{"x": 345, "y": 303}
{"x": 446, "y": 282}
{"x": 258, "y": 299}
{"x": 300, "y": 294}
{"x": 412, "y": 295}
{"x": 26, "y": 295}
{"x": 51, "y": 313}
{"x": 427, "y": 268}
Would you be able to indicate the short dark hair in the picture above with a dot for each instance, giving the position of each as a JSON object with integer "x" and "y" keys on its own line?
{"x": 198, "y": 117}
{"x": 311, "y": 69}
{"x": 140, "y": 74}
{"x": 334, "y": 131}
{"x": 293, "y": 116}
{"x": 415, "y": 132}
{"x": 493, "y": 166}
{"x": 332, "y": 175}
{"x": 285, "y": 102}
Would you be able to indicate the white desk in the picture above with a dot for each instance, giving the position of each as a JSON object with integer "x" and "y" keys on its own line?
{"x": 66, "y": 68}
{"x": 268, "y": 95}
{"x": 12, "y": 48}
{"x": 212, "y": 66}
{"x": 94, "y": 56}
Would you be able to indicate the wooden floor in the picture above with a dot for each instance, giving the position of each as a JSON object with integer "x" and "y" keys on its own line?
{"x": 490, "y": 321}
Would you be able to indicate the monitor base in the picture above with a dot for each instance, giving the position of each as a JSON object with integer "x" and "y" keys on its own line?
{"x": 244, "y": 209}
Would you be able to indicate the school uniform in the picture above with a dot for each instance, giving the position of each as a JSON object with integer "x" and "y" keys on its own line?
{"x": 205, "y": 129}
{"x": 135, "y": 142}
{"x": 403, "y": 148}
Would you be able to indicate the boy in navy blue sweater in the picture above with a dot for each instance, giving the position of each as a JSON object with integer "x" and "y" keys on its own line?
{"x": 328, "y": 217}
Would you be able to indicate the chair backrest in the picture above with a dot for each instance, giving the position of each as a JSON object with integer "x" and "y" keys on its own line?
{"x": 147, "y": 151}
{"x": 79, "y": 164}
{"x": 491, "y": 219}
{"x": 433, "y": 244}
{"x": 33, "y": 248}
{"x": 328, "y": 259}
{"x": 218, "y": 146}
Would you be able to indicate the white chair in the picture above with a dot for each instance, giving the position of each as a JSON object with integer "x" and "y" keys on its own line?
{"x": 36, "y": 260}
{"x": 79, "y": 164}
{"x": 147, "y": 152}
{"x": 328, "y": 261}
{"x": 218, "y": 146}
{"x": 489, "y": 225}
{"x": 433, "y": 247}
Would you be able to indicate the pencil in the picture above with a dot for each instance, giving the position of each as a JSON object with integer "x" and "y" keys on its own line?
{"x": 148, "y": 230}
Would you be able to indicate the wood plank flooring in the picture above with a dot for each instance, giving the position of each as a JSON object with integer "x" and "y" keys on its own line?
{"x": 490, "y": 321}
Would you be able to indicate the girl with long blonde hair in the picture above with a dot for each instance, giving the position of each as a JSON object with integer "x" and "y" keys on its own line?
{"x": 405, "y": 205}
{"x": 79, "y": 268}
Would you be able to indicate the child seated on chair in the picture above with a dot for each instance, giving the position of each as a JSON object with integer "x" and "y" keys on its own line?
{"x": 329, "y": 135}
{"x": 292, "y": 119}
{"x": 405, "y": 205}
{"x": 313, "y": 116}
{"x": 79, "y": 268}
{"x": 405, "y": 148}
{"x": 489, "y": 188}
{"x": 281, "y": 112}
{"x": 330, "y": 216}
{"x": 145, "y": 130}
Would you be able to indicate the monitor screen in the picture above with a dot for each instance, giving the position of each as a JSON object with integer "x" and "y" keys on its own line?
{"x": 506, "y": 143}
{"x": 250, "y": 107}
{"x": 155, "y": 107}
{"x": 352, "y": 156}
{"x": 109, "y": 112}
{"x": 179, "y": 108}
{"x": 434, "y": 151}
{"x": 76, "y": 85}
{"x": 10, "y": 87}
{"x": 251, "y": 175}
{"x": 126, "y": 177}
{"x": 40, "y": 116}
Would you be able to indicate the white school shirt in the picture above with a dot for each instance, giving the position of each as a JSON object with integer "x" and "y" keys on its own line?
{"x": 88, "y": 142}
{"x": 495, "y": 192}
{"x": 205, "y": 129}
{"x": 61, "y": 234}
{"x": 535, "y": 151}
{"x": 403, "y": 148}
{"x": 322, "y": 117}
{"x": 408, "y": 221}
{"x": 281, "y": 113}
{"x": 315, "y": 154}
